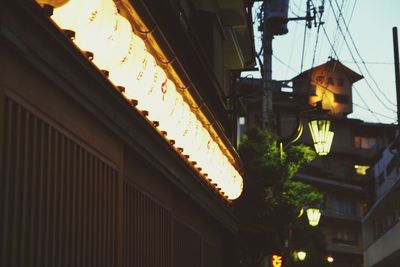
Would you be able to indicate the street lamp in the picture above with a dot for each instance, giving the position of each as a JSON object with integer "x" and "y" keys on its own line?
{"x": 301, "y": 255}
{"x": 313, "y": 215}
{"x": 322, "y": 137}
{"x": 330, "y": 259}
{"x": 319, "y": 128}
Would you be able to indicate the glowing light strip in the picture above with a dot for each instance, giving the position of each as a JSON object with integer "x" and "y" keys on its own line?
{"x": 100, "y": 29}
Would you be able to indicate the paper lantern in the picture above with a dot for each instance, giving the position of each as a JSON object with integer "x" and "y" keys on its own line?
{"x": 76, "y": 15}
{"x": 125, "y": 71}
{"x": 101, "y": 30}
{"x": 100, "y": 24}
{"x": 141, "y": 78}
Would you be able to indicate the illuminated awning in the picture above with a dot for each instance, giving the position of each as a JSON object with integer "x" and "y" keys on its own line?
{"x": 100, "y": 29}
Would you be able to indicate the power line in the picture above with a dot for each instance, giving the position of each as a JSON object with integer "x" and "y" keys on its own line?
{"x": 366, "y": 105}
{"x": 362, "y": 99}
{"x": 283, "y": 63}
{"x": 329, "y": 41}
{"x": 316, "y": 40}
{"x": 369, "y": 62}
{"x": 335, "y": 36}
{"x": 349, "y": 20}
{"x": 352, "y": 56}
{"x": 293, "y": 43}
{"x": 374, "y": 112}
{"x": 304, "y": 47}
{"x": 356, "y": 49}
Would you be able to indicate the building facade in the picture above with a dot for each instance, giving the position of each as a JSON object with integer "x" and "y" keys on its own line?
{"x": 92, "y": 172}
{"x": 381, "y": 224}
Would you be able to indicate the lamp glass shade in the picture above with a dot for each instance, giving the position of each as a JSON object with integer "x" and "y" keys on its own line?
{"x": 313, "y": 216}
{"x": 330, "y": 259}
{"x": 301, "y": 255}
{"x": 322, "y": 137}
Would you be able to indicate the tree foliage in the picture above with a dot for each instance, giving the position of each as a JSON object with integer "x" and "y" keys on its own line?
{"x": 270, "y": 194}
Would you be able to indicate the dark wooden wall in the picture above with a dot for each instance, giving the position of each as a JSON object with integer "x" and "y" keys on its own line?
{"x": 85, "y": 180}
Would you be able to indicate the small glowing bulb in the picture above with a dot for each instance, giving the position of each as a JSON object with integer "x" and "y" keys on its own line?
{"x": 301, "y": 255}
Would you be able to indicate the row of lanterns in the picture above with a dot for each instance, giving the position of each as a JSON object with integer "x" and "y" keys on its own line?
{"x": 100, "y": 29}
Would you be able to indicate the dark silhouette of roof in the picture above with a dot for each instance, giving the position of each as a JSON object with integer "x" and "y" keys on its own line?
{"x": 334, "y": 65}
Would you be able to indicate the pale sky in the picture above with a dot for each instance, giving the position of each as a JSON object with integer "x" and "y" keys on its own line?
{"x": 370, "y": 27}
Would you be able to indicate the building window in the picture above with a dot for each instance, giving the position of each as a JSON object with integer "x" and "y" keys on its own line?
{"x": 365, "y": 142}
{"x": 341, "y": 98}
{"x": 361, "y": 169}
{"x": 342, "y": 206}
{"x": 345, "y": 236}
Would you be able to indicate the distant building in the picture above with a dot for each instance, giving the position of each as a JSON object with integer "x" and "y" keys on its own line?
{"x": 340, "y": 174}
{"x": 117, "y": 132}
{"x": 381, "y": 224}
{"x": 331, "y": 83}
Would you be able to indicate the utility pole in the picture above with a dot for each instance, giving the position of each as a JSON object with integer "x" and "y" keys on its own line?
{"x": 274, "y": 22}
{"x": 397, "y": 73}
{"x": 267, "y": 77}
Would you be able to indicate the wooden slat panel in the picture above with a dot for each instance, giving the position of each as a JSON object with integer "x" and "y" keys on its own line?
{"x": 148, "y": 231}
{"x": 211, "y": 255}
{"x": 58, "y": 199}
{"x": 187, "y": 246}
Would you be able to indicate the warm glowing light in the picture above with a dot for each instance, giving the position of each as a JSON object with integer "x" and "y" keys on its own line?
{"x": 301, "y": 255}
{"x": 321, "y": 136}
{"x": 53, "y": 3}
{"x": 313, "y": 216}
{"x": 300, "y": 213}
{"x": 330, "y": 259}
{"x": 361, "y": 169}
{"x": 276, "y": 261}
{"x": 100, "y": 29}
{"x": 326, "y": 96}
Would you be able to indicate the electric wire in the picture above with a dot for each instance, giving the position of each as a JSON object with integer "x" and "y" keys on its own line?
{"x": 360, "y": 96}
{"x": 345, "y": 8}
{"x": 285, "y": 64}
{"x": 358, "y": 53}
{"x": 316, "y": 41}
{"x": 362, "y": 60}
{"x": 359, "y": 68}
{"x": 335, "y": 38}
{"x": 371, "y": 111}
{"x": 349, "y": 20}
{"x": 369, "y": 62}
{"x": 293, "y": 44}
{"x": 330, "y": 43}
{"x": 366, "y": 105}
{"x": 295, "y": 5}
{"x": 304, "y": 47}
